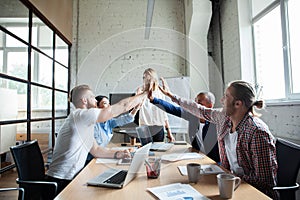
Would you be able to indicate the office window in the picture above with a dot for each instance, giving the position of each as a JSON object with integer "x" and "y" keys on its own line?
{"x": 61, "y": 104}
{"x": 14, "y": 93}
{"x": 276, "y": 45}
{"x": 259, "y": 5}
{"x": 42, "y": 67}
{"x": 293, "y": 16}
{"x": 17, "y": 63}
{"x": 34, "y": 73}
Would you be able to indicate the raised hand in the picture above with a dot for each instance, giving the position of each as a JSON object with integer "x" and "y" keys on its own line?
{"x": 164, "y": 84}
{"x": 139, "y": 91}
{"x": 150, "y": 96}
{"x": 151, "y": 88}
{"x": 165, "y": 88}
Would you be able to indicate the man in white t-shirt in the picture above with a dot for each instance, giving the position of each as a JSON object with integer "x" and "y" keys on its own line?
{"x": 76, "y": 136}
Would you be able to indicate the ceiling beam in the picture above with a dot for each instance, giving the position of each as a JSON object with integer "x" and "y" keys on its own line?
{"x": 150, "y": 8}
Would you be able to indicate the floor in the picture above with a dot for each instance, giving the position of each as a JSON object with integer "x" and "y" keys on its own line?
{"x": 8, "y": 180}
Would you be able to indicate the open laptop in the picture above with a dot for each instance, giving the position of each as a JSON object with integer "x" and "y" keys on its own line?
{"x": 145, "y": 137}
{"x": 118, "y": 178}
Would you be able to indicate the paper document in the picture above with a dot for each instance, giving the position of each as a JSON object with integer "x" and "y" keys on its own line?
{"x": 106, "y": 160}
{"x": 124, "y": 148}
{"x": 181, "y": 156}
{"x": 207, "y": 169}
{"x": 177, "y": 191}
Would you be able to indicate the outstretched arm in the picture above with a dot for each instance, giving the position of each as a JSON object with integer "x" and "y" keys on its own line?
{"x": 166, "y": 106}
{"x": 101, "y": 152}
{"x": 121, "y": 107}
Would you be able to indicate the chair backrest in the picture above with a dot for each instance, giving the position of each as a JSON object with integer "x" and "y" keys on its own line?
{"x": 29, "y": 161}
{"x": 288, "y": 158}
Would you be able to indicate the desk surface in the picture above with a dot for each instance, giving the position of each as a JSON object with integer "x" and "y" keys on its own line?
{"x": 137, "y": 189}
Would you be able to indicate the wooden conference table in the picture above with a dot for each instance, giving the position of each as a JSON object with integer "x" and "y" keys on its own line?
{"x": 137, "y": 189}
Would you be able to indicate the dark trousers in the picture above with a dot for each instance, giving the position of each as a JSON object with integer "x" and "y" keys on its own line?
{"x": 88, "y": 159}
{"x": 157, "y": 133}
{"x": 61, "y": 183}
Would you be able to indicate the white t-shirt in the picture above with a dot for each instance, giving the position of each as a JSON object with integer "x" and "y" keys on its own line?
{"x": 230, "y": 146}
{"x": 150, "y": 114}
{"x": 75, "y": 139}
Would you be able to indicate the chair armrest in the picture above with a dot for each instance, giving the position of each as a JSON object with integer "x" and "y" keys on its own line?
{"x": 45, "y": 183}
{"x": 11, "y": 189}
{"x": 294, "y": 187}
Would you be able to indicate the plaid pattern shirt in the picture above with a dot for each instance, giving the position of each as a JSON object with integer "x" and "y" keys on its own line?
{"x": 255, "y": 149}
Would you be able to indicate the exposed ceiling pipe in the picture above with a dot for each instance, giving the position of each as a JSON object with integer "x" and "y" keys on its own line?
{"x": 149, "y": 15}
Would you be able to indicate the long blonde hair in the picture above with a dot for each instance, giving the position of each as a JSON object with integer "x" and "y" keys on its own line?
{"x": 150, "y": 76}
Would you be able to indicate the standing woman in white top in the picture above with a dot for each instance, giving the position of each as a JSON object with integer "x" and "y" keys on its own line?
{"x": 150, "y": 115}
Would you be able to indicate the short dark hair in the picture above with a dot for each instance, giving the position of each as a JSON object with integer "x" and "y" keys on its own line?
{"x": 77, "y": 92}
{"x": 99, "y": 98}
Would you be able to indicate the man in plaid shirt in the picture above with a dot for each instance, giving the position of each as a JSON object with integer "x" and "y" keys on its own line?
{"x": 246, "y": 145}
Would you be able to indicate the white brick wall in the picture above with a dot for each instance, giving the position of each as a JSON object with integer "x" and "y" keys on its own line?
{"x": 112, "y": 51}
{"x": 117, "y": 26}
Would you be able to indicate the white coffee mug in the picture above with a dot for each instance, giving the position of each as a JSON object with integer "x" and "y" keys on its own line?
{"x": 193, "y": 170}
{"x": 227, "y": 184}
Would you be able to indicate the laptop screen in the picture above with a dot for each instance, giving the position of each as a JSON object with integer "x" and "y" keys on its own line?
{"x": 115, "y": 98}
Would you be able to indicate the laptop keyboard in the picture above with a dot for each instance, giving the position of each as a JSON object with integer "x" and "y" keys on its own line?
{"x": 117, "y": 178}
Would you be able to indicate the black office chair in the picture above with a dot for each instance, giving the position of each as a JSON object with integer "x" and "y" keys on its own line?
{"x": 288, "y": 158}
{"x": 21, "y": 191}
{"x": 31, "y": 171}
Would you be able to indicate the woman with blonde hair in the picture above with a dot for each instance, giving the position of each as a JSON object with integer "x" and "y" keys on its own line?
{"x": 150, "y": 115}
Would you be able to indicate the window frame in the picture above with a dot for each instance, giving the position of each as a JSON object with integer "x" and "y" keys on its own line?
{"x": 290, "y": 98}
{"x": 30, "y": 49}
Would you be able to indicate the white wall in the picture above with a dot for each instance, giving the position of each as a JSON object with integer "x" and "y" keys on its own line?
{"x": 198, "y": 14}
{"x": 112, "y": 52}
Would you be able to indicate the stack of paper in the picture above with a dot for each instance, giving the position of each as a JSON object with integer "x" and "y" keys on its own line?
{"x": 106, "y": 160}
{"x": 181, "y": 156}
{"x": 177, "y": 191}
{"x": 206, "y": 169}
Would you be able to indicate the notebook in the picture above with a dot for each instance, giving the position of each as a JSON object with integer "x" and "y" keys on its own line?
{"x": 118, "y": 178}
{"x": 145, "y": 137}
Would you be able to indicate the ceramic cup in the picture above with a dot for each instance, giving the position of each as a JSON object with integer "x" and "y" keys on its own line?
{"x": 193, "y": 170}
{"x": 227, "y": 184}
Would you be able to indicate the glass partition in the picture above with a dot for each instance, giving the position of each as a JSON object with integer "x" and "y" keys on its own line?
{"x": 61, "y": 102}
{"x": 28, "y": 86}
{"x": 41, "y": 68}
{"x": 14, "y": 100}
